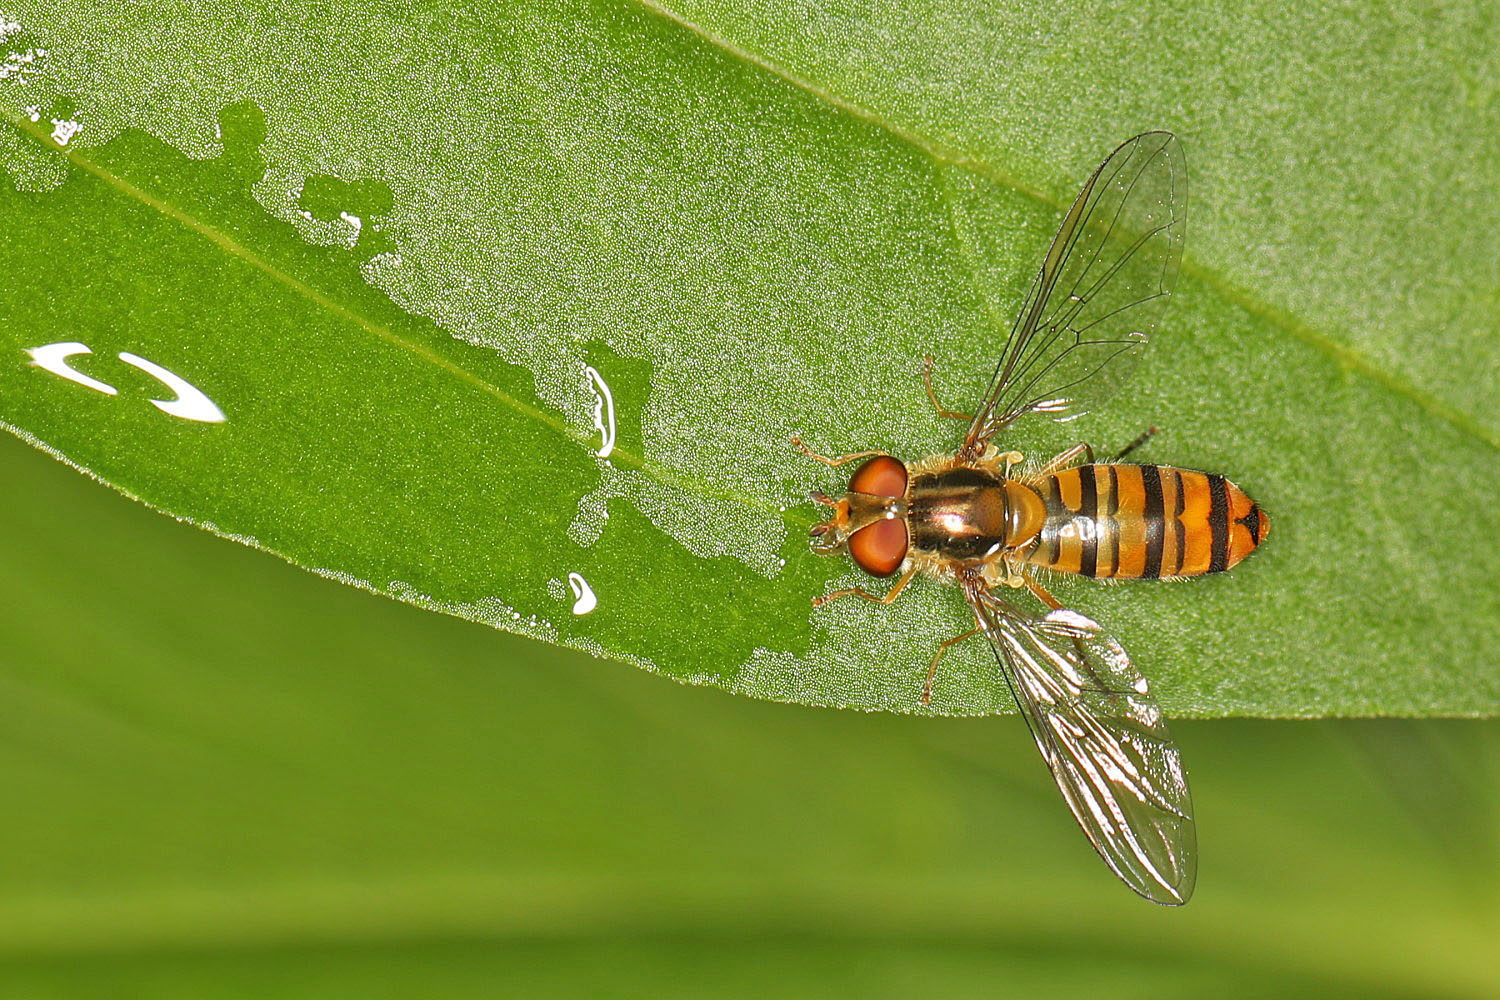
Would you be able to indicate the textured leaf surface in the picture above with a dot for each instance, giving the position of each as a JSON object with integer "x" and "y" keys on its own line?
{"x": 389, "y": 245}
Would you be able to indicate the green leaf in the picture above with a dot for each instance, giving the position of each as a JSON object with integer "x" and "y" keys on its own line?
{"x": 744, "y": 221}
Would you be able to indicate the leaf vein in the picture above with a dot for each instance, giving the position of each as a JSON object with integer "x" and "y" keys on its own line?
{"x": 74, "y": 156}
{"x": 953, "y": 156}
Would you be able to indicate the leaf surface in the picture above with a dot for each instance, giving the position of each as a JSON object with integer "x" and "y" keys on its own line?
{"x": 391, "y": 247}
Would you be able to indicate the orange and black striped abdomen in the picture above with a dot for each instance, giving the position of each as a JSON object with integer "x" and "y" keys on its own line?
{"x": 1144, "y": 522}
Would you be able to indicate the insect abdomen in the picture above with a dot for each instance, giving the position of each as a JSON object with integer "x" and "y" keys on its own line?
{"x": 1144, "y": 522}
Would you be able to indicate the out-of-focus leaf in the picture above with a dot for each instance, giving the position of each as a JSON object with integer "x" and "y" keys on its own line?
{"x": 224, "y": 778}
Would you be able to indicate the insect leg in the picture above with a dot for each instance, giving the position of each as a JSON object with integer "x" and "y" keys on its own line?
{"x": 832, "y": 463}
{"x": 932, "y": 667}
{"x": 1040, "y": 591}
{"x": 931, "y": 395}
{"x": 1066, "y": 459}
{"x": 889, "y": 598}
{"x": 1146, "y": 435}
{"x": 1078, "y": 646}
{"x": 999, "y": 461}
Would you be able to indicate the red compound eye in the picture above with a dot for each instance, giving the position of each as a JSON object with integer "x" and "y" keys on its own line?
{"x": 881, "y": 476}
{"x": 879, "y": 548}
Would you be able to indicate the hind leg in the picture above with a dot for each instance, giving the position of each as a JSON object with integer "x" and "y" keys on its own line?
{"x": 1067, "y": 459}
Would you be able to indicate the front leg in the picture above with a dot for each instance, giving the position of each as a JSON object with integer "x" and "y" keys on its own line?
{"x": 932, "y": 395}
{"x": 832, "y": 463}
{"x": 889, "y": 598}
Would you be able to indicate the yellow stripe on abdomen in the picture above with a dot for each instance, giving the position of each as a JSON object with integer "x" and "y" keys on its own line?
{"x": 1144, "y": 522}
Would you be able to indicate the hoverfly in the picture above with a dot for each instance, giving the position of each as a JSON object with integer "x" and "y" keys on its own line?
{"x": 972, "y": 518}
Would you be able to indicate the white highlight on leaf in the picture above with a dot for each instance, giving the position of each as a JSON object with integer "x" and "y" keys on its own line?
{"x": 17, "y": 64}
{"x": 53, "y": 358}
{"x": 585, "y": 601}
{"x": 279, "y": 191}
{"x": 604, "y": 411}
{"x": 491, "y": 611}
{"x": 64, "y": 129}
{"x": 593, "y": 507}
{"x": 191, "y": 403}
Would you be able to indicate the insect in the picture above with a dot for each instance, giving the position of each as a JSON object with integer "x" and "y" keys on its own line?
{"x": 981, "y": 519}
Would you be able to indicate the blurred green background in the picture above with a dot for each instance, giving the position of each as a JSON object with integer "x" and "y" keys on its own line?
{"x": 226, "y": 777}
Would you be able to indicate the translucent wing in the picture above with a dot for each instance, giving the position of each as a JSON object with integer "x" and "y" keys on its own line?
{"x": 1099, "y": 293}
{"x": 1103, "y": 736}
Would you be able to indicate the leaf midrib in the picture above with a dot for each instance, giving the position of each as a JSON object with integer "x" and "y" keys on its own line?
{"x": 619, "y": 455}
{"x": 941, "y": 153}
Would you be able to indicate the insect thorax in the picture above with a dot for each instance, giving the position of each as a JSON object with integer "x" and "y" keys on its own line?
{"x": 970, "y": 514}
